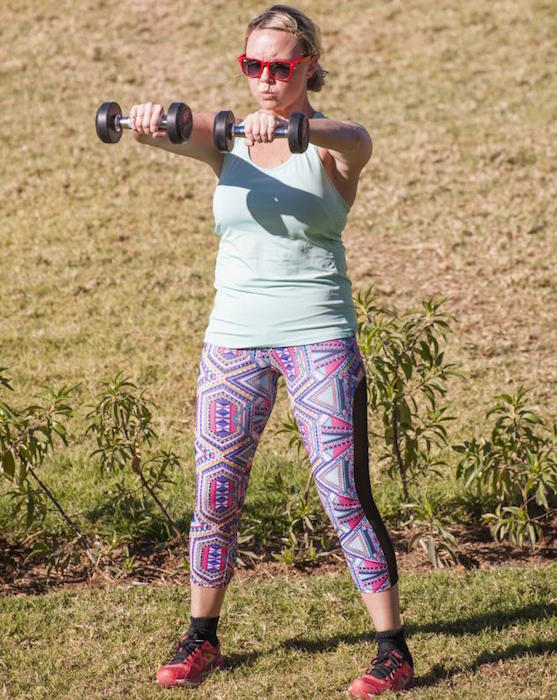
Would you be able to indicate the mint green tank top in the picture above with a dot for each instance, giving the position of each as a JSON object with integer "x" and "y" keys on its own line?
{"x": 280, "y": 274}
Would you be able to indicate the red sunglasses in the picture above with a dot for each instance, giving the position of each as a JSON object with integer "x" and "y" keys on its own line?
{"x": 279, "y": 69}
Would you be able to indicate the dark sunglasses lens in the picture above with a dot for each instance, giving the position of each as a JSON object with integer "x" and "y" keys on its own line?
{"x": 280, "y": 71}
{"x": 251, "y": 67}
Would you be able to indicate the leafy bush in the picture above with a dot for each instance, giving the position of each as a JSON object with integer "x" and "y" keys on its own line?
{"x": 26, "y": 439}
{"x": 121, "y": 423}
{"x": 517, "y": 465}
{"x": 407, "y": 373}
{"x": 431, "y": 534}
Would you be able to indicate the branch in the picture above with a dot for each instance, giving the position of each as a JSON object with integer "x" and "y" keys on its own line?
{"x": 160, "y": 505}
{"x": 81, "y": 537}
{"x": 401, "y": 467}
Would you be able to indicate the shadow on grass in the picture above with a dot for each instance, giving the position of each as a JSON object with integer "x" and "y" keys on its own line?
{"x": 440, "y": 673}
{"x": 233, "y": 661}
{"x": 138, "y": 519}
{"x": 495, "y": 621}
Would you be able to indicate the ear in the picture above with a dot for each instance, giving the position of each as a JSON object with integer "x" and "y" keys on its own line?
{"x": 312, "y": 66}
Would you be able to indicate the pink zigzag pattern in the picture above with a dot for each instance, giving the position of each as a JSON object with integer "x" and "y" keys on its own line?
{"x": 236, "y": 394}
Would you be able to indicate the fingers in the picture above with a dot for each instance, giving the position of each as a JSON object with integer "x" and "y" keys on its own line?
{"x": 146, "y": 119}
{"x": 156, "y": 116}
{"x": 259, "y": 127}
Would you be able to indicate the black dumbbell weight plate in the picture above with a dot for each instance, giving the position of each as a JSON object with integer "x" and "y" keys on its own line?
{"x": 179, "y": 122}
{"x": 222, "y": 131}
{"x": 104, "y": 122}
{"x": 298, "y": 132}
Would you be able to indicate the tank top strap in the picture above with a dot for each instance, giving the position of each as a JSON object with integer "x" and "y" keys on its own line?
{"x": 313, "y": 156}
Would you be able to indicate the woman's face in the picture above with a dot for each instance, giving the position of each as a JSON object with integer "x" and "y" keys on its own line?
{"x": 275, "y": 95}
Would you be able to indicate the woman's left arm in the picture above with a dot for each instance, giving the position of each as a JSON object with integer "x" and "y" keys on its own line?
{"x": 345, "y": 147}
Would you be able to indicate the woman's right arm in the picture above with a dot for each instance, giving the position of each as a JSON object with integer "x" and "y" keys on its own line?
{"x": 146, "y": 119}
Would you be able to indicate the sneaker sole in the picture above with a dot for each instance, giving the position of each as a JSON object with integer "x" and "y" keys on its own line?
{"x": 409, "y": 685}
{"x": 183, "y": 682}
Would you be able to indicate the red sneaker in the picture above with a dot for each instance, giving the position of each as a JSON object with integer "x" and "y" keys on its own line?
{"x": 389, "y": 671}
{"x": 193, "y": 661}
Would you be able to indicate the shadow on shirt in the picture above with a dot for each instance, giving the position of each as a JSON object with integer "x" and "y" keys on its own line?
{"x": 280, "y": 209}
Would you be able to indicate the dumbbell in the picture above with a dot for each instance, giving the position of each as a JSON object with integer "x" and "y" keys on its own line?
{"x": 225, "y": 130}
{"x": 109, "y": 122}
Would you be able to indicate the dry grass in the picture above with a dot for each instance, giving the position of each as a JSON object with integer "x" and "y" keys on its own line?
{"x": 107, "y": 263}
{"x": 108, "y": 252}
{"x": 476, "y": 635}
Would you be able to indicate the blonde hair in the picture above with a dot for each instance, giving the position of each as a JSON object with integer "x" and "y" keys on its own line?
{"x": 289, "y": 19}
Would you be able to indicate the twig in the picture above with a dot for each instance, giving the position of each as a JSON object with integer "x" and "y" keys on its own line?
{"x": 80, "y": 536}
{"x": 399, "y": 459}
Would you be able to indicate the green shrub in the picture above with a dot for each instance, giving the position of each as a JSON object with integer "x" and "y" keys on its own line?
{"x": 431, "y": 534}
{"x": 407, "y": 373}
{"x": 517, "y": 465}
{"x": 26, "y": 438}
{"x": 121, "y": 423}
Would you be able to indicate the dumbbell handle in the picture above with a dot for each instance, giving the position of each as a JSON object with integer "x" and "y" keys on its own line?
{"x": 127, "y": 122}
{"x": 240, "y": 130}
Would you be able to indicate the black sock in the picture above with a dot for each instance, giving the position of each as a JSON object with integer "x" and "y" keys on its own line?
{"x": 393, "y": 639}
{"x": 206, "y": 628}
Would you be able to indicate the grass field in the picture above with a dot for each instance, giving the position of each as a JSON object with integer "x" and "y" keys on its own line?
{"x": 108, "y": 251}
{"x": 481, "y": 635}
{"x": 107, "y": 256}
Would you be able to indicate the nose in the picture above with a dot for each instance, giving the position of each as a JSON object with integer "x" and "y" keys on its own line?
{"x": 266, "y": 76}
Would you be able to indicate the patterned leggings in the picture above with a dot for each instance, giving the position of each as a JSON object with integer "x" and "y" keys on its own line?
{"x": 326, "y": 385}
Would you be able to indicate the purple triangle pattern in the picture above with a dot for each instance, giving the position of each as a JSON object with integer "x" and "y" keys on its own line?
{"x": 236, "y": 393}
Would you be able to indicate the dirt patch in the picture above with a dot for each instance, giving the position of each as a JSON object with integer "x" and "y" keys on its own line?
{"x": 158, "y": 564}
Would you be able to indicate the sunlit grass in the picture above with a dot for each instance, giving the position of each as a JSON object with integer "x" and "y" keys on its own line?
{"x": 108, "y": 251}
{"x": 107, "y": 257}
{"x": 487, "y": 634}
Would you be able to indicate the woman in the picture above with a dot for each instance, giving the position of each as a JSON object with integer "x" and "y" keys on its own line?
{"x": 283, "y": 306}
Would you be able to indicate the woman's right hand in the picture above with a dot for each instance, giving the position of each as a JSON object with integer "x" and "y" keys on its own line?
{"x": 146, "y": 118}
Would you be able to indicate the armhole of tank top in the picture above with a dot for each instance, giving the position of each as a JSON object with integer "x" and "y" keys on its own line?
{"x": 226, "y": 160}
{"x": 343, "y": 202}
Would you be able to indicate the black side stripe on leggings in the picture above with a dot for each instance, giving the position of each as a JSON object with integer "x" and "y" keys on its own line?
{"x": 361, "y": 476}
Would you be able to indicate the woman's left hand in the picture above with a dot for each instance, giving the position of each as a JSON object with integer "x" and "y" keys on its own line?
{"x": 260, "y": 127}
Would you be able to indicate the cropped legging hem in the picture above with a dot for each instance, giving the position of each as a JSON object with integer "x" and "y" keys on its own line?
{"x": 326, "y": 385}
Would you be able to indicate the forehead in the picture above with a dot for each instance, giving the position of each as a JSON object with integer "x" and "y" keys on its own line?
{"x": 272, "y": 43}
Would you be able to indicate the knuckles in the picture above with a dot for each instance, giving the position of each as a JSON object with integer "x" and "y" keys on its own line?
{"x": 146, "y": 117}
{"x": 259, "y": 127}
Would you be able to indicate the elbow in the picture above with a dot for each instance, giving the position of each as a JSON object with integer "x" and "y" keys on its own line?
{"x": 364, "y": 144}
{"x": 361, "y": 145}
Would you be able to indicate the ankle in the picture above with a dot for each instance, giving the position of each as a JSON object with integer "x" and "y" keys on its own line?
{"x": 206, "y": 628}
{"x": 393, "y": 639}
